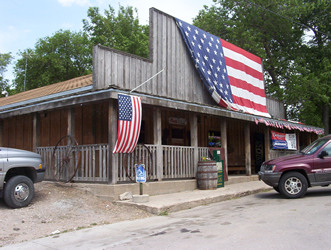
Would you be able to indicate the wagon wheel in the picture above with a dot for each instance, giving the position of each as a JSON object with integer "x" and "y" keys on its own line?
{"x": 65, "y": 159}
{"x": 141, "y": 155}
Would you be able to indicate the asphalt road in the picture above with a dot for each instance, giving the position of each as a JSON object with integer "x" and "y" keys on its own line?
{"x": 259, "y": 221}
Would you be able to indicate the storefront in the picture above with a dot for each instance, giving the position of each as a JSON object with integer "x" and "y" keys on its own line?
{"x": 180, "y": 122}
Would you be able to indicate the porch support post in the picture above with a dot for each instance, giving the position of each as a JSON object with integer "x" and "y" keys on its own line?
{"x": 194, "y": 140}
{"x": 112, "y": 136}
{"x": 224, "y": 140}
{"x": 71, "y": 122}
{"x": 309, "y": 139}
{"x": 36, "y": 132}
{"x": 267, "y": 143}
{"x": 248, "y": 149}
{"x": 157, "y": 135}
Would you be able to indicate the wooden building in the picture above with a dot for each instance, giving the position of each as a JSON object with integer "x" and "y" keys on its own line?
{"x": 179, "y": 121}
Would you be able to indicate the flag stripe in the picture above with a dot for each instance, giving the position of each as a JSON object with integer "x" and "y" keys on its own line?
{"x": 254, "y": 90}
{"x": 136, "y": 125}
{"x": 243, "y": 68}
{"x": 243, "y": 93}
{"x": 241, "y": 52}
{"x": 129, "y": 123}
{"x": 249, "y": 103}
{"x": 244, "y": 79}
{"x": 137, "y": 112}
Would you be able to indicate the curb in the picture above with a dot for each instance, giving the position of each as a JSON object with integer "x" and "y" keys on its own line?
{"x": 163, "y": 210}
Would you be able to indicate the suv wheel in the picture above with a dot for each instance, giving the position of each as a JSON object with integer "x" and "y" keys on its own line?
{"x": 18, "y": 191}
{"x": 276, "y": 189}
{"x": 293, "y": 185}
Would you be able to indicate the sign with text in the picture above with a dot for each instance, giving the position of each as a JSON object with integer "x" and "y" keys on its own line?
{"x": 283, "y": 141}
{"x": 140, "y": 173}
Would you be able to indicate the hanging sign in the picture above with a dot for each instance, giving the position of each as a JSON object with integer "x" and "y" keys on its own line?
{"x": 177, "y": 121}
{"x": 283, "y": 141}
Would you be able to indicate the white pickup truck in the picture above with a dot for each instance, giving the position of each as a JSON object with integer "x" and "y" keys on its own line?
{"x": 19, "y": 170}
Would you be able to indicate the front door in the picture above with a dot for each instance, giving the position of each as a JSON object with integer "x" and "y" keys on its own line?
{"x": 259, "y": 151}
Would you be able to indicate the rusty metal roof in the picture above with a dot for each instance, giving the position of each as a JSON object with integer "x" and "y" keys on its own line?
{"x": 55, "y": 88}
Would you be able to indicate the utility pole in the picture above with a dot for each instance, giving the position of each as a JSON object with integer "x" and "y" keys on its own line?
{"x": 25, "y": 70}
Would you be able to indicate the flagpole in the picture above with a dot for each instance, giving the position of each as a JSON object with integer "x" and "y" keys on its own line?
{"x": 147, "y": 80}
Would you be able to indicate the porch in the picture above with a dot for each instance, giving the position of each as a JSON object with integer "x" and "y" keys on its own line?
{"x": 177, "y": 162}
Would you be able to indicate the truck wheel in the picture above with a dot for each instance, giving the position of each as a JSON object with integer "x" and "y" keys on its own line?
{"x": 18, "y": 191}
{"x": 293, "y": 185}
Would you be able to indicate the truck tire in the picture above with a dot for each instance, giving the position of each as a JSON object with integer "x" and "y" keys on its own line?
{"x": 293, "y": 185}
{"x": 18, "y": 191}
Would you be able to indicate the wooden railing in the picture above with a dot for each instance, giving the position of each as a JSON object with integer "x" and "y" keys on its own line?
{"x": 46, "y": 154}
{"x": 145, "y": 155}
{"x": 93, "y": 165}
{"x": 178, "y": 162}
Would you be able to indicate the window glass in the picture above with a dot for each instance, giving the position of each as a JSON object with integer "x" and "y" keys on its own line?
{"x": 328, "y": 149}
{"x": 312, "y": 148}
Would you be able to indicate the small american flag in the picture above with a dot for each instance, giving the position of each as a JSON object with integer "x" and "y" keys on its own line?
{"x": 233, "y": 76}
{"x": 129, "y": 122}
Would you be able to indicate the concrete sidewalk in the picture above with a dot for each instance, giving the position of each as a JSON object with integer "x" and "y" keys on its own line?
{"x": 166, "y": 203}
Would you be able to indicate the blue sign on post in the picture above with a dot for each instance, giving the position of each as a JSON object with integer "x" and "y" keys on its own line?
{"x": 140, "y": 173}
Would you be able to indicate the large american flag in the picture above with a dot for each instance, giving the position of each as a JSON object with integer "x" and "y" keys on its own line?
{"x": 233, "y": 76}
{"x": 129, "y": 122}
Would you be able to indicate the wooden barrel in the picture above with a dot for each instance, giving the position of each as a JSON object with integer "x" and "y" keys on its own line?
{"x": 207, "y": 175}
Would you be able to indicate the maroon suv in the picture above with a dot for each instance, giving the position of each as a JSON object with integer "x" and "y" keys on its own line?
{"x": 292, "y": 175}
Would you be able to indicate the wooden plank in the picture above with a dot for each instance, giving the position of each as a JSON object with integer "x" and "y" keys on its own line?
{"x": 267, "y": 143}
{"x": 112, "y": 132}
{"x": 248, "y": 149}
{"x": 79, "y": 124}
{"x": 108, "y": 69}
{"x": 224, "y": 144}
{"x": 157, "y": 135}
{"x": 36, "y": 131}
{"x": 88, "y": 125}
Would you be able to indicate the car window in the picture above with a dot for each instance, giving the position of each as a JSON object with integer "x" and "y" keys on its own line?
{"x": 312, "y": 148}
{"x": 328, "y": 149}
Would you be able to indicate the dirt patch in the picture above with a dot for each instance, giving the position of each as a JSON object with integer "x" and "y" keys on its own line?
{"x": 58, "y": 208}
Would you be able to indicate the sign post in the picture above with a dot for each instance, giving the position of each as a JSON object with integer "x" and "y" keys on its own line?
{"x": 140, "y": 176}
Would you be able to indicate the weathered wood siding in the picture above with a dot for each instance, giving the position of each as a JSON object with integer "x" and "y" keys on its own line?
{"x": 91, "y": 123}
{"x": 276, "y": 108}
{"x": 53, "y": 125}
{"x": 179, "y": 80}
{"x": 17, "y": 132}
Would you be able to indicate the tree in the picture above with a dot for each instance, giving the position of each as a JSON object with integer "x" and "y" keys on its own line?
{"x": 121, "y": 32}
{"x": 60, "y": 57}
{"x": 5, "y": 60}
{"x": 296, "y": 68}
{"x": 316, "y": 74}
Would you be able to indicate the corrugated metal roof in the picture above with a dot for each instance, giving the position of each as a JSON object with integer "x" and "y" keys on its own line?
{"x": 71, "y": 84}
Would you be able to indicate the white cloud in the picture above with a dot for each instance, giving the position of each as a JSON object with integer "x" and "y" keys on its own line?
{"x": 68, "y": 3}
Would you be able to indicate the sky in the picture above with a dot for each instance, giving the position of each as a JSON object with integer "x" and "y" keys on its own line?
{"x": 24, "y": 22}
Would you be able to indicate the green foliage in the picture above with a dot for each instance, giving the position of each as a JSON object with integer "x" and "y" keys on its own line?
{"x": 292, "y": 37}
{"x": 63, "y": 56}
{"x": 5, "y": 60}
{"x": 121, "y": 32}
